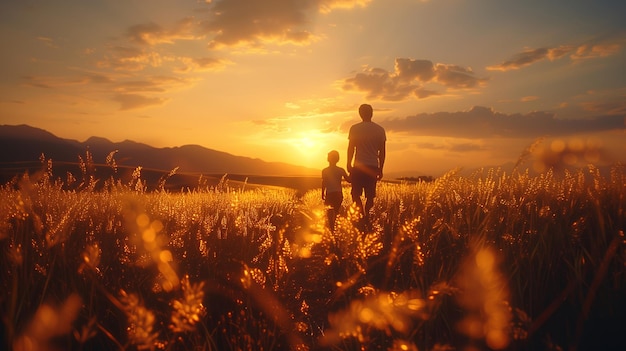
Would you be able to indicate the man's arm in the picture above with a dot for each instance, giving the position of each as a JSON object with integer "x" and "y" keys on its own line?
{"x": 382, "y": 153}
{"x": 351, "y": 149}
{"x": 323, "y": 185}
{"x": 347, "y": 177}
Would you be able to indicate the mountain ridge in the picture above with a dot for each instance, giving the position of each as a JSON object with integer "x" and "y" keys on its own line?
{"x": 24, "y": 143}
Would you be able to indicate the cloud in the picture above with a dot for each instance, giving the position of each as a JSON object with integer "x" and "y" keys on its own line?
{"x": 37, "y": 82}
{"x": 49, "y": 42}
{"x": 154, "y": 84}
{"x": 130, "y": 59}
{"x": 380, "y": 84}
{"x": 247, "y": 22}
{"x": 237, "y": 22}
{"x": 601, "y": 102}
{"x": 589, "y": 51}
{"x": 522, "y": 59}
{"x": 483, "y": 122}
{"x": 56, "y": 82}
{"x": 457, "y": 77}
{"x": 201, "y": 64}
{"x": 529, "y": 98}
{"x": 408, "y": 70}
{"x": 131, "y": 91}
{"x": 228, "y": 23}
{"x": 136, "y": 59}
{"x": 326, "y": 6}
{"x": 321, "y": 116}
{"x": 609, "y": 107}
{"x": 408, "y": 78}
{"x": 599, "y": 47}
{"x": 152, "y": 33}
{"x": 137, "y": 101}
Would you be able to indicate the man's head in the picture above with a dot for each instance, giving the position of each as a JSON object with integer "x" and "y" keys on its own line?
{"x": 366, "y": 111}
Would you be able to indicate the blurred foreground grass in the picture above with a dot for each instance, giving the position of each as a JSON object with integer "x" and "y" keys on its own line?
{"x": 489, "y": 261}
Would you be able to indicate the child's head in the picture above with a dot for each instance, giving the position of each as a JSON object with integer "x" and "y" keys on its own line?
{"x": 333, "y": 157}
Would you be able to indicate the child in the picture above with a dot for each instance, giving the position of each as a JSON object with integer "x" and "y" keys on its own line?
{"x": 331, "y": 187}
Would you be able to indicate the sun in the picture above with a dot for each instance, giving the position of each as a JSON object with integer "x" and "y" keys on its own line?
{"x": 310, "y": 148}
{"x": 307, "y": 143}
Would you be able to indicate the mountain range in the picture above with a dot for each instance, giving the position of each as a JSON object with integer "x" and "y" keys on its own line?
{"x": 21, "y": 147}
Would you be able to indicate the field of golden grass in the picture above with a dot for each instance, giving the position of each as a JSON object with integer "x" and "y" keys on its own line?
{"x": 488, "y": 261}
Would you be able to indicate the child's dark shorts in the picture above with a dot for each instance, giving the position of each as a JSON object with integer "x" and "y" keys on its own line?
{"x": 334, "y": 199}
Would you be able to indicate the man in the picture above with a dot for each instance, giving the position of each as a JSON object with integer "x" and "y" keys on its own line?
{"x": 366, "y": 147}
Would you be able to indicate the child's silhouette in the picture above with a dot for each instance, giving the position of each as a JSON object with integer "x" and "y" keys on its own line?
{"x": 331, "y": 187}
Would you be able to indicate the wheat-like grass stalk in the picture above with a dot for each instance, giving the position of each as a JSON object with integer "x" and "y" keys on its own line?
{"x": 268, "y": 273}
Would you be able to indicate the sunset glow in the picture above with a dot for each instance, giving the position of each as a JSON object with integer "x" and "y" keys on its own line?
{"x": 455, "y": 83}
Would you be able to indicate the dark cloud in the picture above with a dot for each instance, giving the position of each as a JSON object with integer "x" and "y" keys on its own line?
{"x": 99, "y": 78}
{"x": 201, "y": 64}
{"x": 234, "y": 22}
{"x": 483, "y": 122}
{"x": 131, "y": 91}
{"x": 407, "y": 80}
{"x": 599, "y": 47}
{"x": 424, "y": 93}
{"x": 457, "y": 77}
{"x": 611, "y": 107}
{"x": 408, "y": 70}
{"x": 145, "y": 33}
{"x": 380, "y": 84}
{"x": 522, "y": 59}
{"x": 239, "y": 21}
{"x": 152, "y": 33}
{"x": 207, "y": 62}
{"x": 223, "y": 23}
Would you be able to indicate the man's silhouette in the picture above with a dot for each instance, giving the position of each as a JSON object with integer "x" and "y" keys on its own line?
{"x": 366, "y": 147}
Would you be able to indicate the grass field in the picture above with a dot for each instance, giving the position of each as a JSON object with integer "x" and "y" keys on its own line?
{"x": 489, "y": 261}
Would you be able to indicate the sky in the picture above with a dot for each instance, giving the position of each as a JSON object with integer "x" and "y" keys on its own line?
{"x": 455, "y": 83}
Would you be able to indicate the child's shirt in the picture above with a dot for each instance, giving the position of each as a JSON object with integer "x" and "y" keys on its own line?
{"x": 331, "y": 178}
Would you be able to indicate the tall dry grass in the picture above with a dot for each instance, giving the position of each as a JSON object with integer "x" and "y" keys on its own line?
{"x": 488, "y": 261}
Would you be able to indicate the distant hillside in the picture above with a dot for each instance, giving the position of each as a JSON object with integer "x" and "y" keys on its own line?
{"x": 21, "y": 147}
